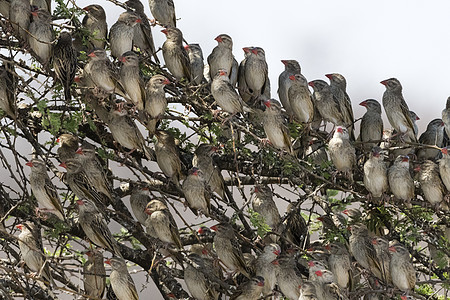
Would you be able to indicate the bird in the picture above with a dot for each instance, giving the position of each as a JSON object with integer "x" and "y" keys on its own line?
{"x": 225, "y": 95}
{"x": 400, "y": 180}
{"x": 65, "y": 62}
{"x": 93, "y": 223}
{"x": 199, "y": 285}
{"x": 300, "y": 99}
{"x": 125, "y": 131}
{"x": 289, "y": 279}
{"x": 102, "y": 72}
{"x": 371, "y": 124}
{"x": 121, "y": 281}
{"x": 8, "y": 87}
{"x": 94, "y": 275}
{"x": 19, "y": 16}
{"x": 340, "y": 265}
{"x": 168, "y": 156}
{"x": 95, "y": 23}
{"x": 397, "y": 110}
{"x": 342, "y": 153}
{"x": 263, "y": 204}
{"x": 222, "y": 58}
{"x": 196, "y": 62}
{"x": 381, "y": 246}
{"x": 175, "y": 56}
{"x": 275, "y": 127}
{"x": 41, "y": 35}
{"x": 294, "y": 228}
{"x": 241, "y": 83}
{"x": 163, "y": 223}
{"x": 315, "y": 151}
{"x": 266, "y": 269}
{"x": 249, "y": 290}
{"x": 155, "y": 100}
{"x": 434, "y": 136}
{"x": 43, "y": 188}
{"x": 446, "y": 117}
{"x": 402, "y": 270}
{"x": 228, "y": 249}
{"x": 375, "y": 174}
{"x": 196, "y": 192}
{"x": 131, "y": 79}
{"x": 414, "y": 119}
{"x": 122, "y": 33}
{"x": 308, "y": 291}
{"x": 164, "y": 12}
{"x": 31, "y": 251}
{"x": 338, "y": 86}
{"x": 430, "y": 183}
{"x": 255, "y": 73}
{"x": 327, "y": 107}
{"x": 291, "y": 67}
{"x": 444, "y": 167}
{"x": 140, "y": 197}
{"x": 68, "y": 145}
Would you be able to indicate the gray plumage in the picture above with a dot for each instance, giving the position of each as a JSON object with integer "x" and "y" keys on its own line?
{"x": 400, "y": 180}
{"x": 41, "y": 35}
{"x": 196, "y": 191}
{"x": 249, "y": 290}
{"x": 131, "y": 79}
{"x": 300, "y": 99}
{"x": 430, "y": 182}
{"x": 342, "y": 153}
{"x": 263, "y": 204}
{"x": 68, "y": 144}
{"x": 266, "y": 269}
{"x": 375, "y": 173}
{"x": 381, "y": 246}
{"x": 196, "y": 62}
{"x": 102, "y": 72}
{"x": 8, "y": 87}
{"x": 95, "y": 22}
{"x": 434, "y": 136}
{"x": 446, "y": 116}
{"x": 155, "y": 100}
{"x": 121, "y": 281}
{"x": 175, "y": 56}
{"x": 289, "y": 279}
{"x": 221, "y": 57}
{"x": 198, "y": 284}
{"x": 291, "y": 67}
{"x": 19, "y": 15}
{"x": 402, "y": 270}
{"x": 122, "y": 33}
{"x": 94, "y": 275}
{"x": 164, "y": 12}
{"x": 275, "y": 126}
{"x": 168, "y": 156}
{"x": 255, "y": 73}
{"x": 371, "y": 124}
{"x": 362, "y": 249}
{"x": 225, "y": 95}
{"x": 444, "y": 168}
{"x": 139, "y": 199}
{"x": 325, "y": 103}
{"x": 65, "y": 62}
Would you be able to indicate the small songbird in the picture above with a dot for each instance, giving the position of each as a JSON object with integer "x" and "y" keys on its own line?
{"x": 255, "y": 73}
{"x": 430, "y": 183}
{"x": 265, "y": 268}
{"x": 249, "y": 290}
{"x": 163, "y": 223}
{"x": 340, "y": 265}
{"x": 242, "y": 83}
{"x": 121, "y": 281}
{"x": 225, "y": 95}
{"x": 400, "y": 180}
{"x": 8, "y": 87}
{"x": 164, "y": 12}
{"x": 222, "y": 58}
{"x": 32, "y": 253}
{"x": 446, "y": 117}
{"x": 95, "y": 23}
{"x": 375, "y": 174}
{"x": 65, "y": 62}
{"x": 327, "y": 107}
{"x": 402, "y": 270}
{"x": 381, "y": 246}
{"x": 155, "y": 100}
{"x": 434, "y": 136}
{"x": 414, "y": 119}
{"x": 94, "y": 275}
{"x": 199, "y": 286}
{"x": 140, "y": 197}
{"x": 289, "y": 278}
{"x": 275, "y": 127}
{"x": 19, "y": 15}
{"x": 228, "y": 249}
{"x": 291, "y": 67}
{"x": 371, "y": 124}
{"x": 300, "y": 99}
{"x": 397, "y": 110}
{"x": 102, "y": 72}
{"x": 121, "y": 33}
{"x": 444, "y": 167}
{"x": 308, "y": 291}
{"x": 196, "y": 193}
{"x": 342, "y": 153}
{"x": 294, "y": 227}
{"x": 131, "y": 79}
{"x": 68, "y": 145}
{"x": 168, "y": 156}
{"x": 43, "y": 188}
{"x": 93, "y": 223}
{"x": 41, "y": 35}
{"x": 196, "y": 61}
{"x": 263, "y": 204}
{"x": 175, "y": 56}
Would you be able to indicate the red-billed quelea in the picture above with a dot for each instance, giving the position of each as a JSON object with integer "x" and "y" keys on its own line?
{"x": 163, "y": 11}
{"x": 342, "y": 153}
{"x": 402, "y": 270}
{"x": 291, "y": 67}
{"x": 431, "y": 184}
{"x": 121, "y": 281}
{"x": 381, "y": 246}
{"x": 198, "y": 284}
{"x": 375, "y": 174}
{"x": 308, "y": 291}
{"x": 43, "y": 188}
{"x": 65, "y": 62}
{"x": 340, "y": 265}
{"x": 433, "y": 136}
{"x": 327, "y": 107}
{"x": 68, "y": 145}
{"x": 249, "y": 290}
{"x": 222, "y": 58}
{"x": 196, "y": 192}
{"x": 140, "y": 197}
{"x": 265, "y": 268}
{"x": 175, "y": 56}
{"x": 263, "y": 204}
{"x": 414, "y": 119}
{"x": 241, "y": 83}
{"x": 289, "y": 279}
{"x": 275, "y": 126}
{"x": 121, "y": 33}
{"x": 94, "y": 275}
{"x": 397, "y": 110}
{"x": 400, "y": 180}
{"x": 19, "y": 15}
{"x": 95, "y": 23}
{"x": 446, "y": 116}
{"x": 41, "y": 35}
{"x": 168, "y": 156}
{"x": 300, "y": 99}
{"x": 444, "y": 167}
{"x": 255, "y": 73}
{"x": 8, "y": 87}
{"x": 131, "y": 80}
{"x": 371, "y": 124}
{"x": 196, "y": 61}
{"x": 362, "y": 249}
{"x": 155, "y": 100}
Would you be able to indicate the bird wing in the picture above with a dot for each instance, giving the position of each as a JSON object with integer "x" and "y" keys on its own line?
{"x": 406, "y": 114}
{"x": 103, "y": 234}
{"x": 174, "y": 229}
{"x": 50, "y": 190}
{"x": 184, "y": 58}
{"x": 238, "y": 257}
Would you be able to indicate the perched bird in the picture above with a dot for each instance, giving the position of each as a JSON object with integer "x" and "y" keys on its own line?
{"x": 94, "y": 275}
{"x": 263, "y": 204}
{"x": 196, "y": 62}
{"x": 308, "y": 291}
{"x": 41, "y": 35}
{"x": 121, "y": 281}
{"x": 242, "y": 83}
{"x": 155, "y": 100}
{"x": 68, "y": 145}
{"x": 140, "y": 197}
{"x": 31, "y": 251}
{"x": 444, "y": 167}
{"x": 228, "y": 249}
{"x": 131, "y": 79}
{"x": 362, "y": 249}
{"x": 375, "y": 174}
{"x": 315, "y": 151}
{"x": 225, "y": 95}
{"x": 275, "y": 127}
{"x": 446, "y": 117}
{"x": 168, "y": 156}
{"x": 43, "y": 188}
{"x": 95, "y": 23}
{"x": 371, "y": 124}
{"x": 381, "y": 246}
{"x": 44, "y": 4}
{"x": 338, "y": 86}
{"x": 340, "y": 265}
{"x": 163, "y": 223}
{"x": 402, "y": 270}
{"x": 125, "y": 131}
{"x": 197, "y": 282}
{"x": 92, "y": 221}
{"x": 255, "y": 74}
{"x": 430, "y": 183}
{"x": 164, "y": 12}
{"x": 102, "y": 72}
{"x": 8, "y": 87}
{"x": 249, "y": 290}
{"x": 294, "y": 228}
{"x": 400, "y": 180}
{"x": 300, "y": 99}
{"x": 175, "y": 56}
{"x": 327, "y": 107}
{"x": 19, "y": 15}
{"x": 342, "y": 153}
{"x": 122, "y": 33}
{"x": 65, "y": 62}
{"x": 222, "y": 58}
{"x": 196, "y": 192}
{"x": 4, "y": 8}
{"x": 434, "y": 136}
{"x": 289, "y": 279}
{"x": 414, "y": 119}
{"x": 291, "y": 67}
{"x": 265, "y": 268}
{"x": 397, "y": 110}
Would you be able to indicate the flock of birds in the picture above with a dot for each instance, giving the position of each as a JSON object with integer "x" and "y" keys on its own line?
{"x": 242, "y": 92}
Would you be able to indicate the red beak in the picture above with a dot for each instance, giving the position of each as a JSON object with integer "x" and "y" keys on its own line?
{"x": 319, "y": 273}
{"x": 79, "y": 151}
{"x": 292, "y": 77}
{"x": 255, "y": 51}
{"x": 340, "y": 130}
{"x": 186, "y": 47}
{"x": 405, "y": 159}
{"x": 108, "y": 261}
{"x": 214, "y": 228}
{"x": 63, "y": 165}
{"x": 166, "y": 81}
{"x": 92, "y": 54}
{"x": 329, "y": 76}
{"x": 384, "y": 82}
{"x": 392, "y": 249}
{"x": 122, "y": 59}
{"x": 219, "y": 39}
{"x": 164, "y": 31}
{"x": 30, "y": 163}
{"x": 364, "y": 103}
{"x": 311, "y": 83}
{"x": 444, "y": 151}
{"x": 80, "y": 202}
{"x": 284, "y": 62}
{"x": 138, "y": 21}
{"x": 267, "y": 103}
